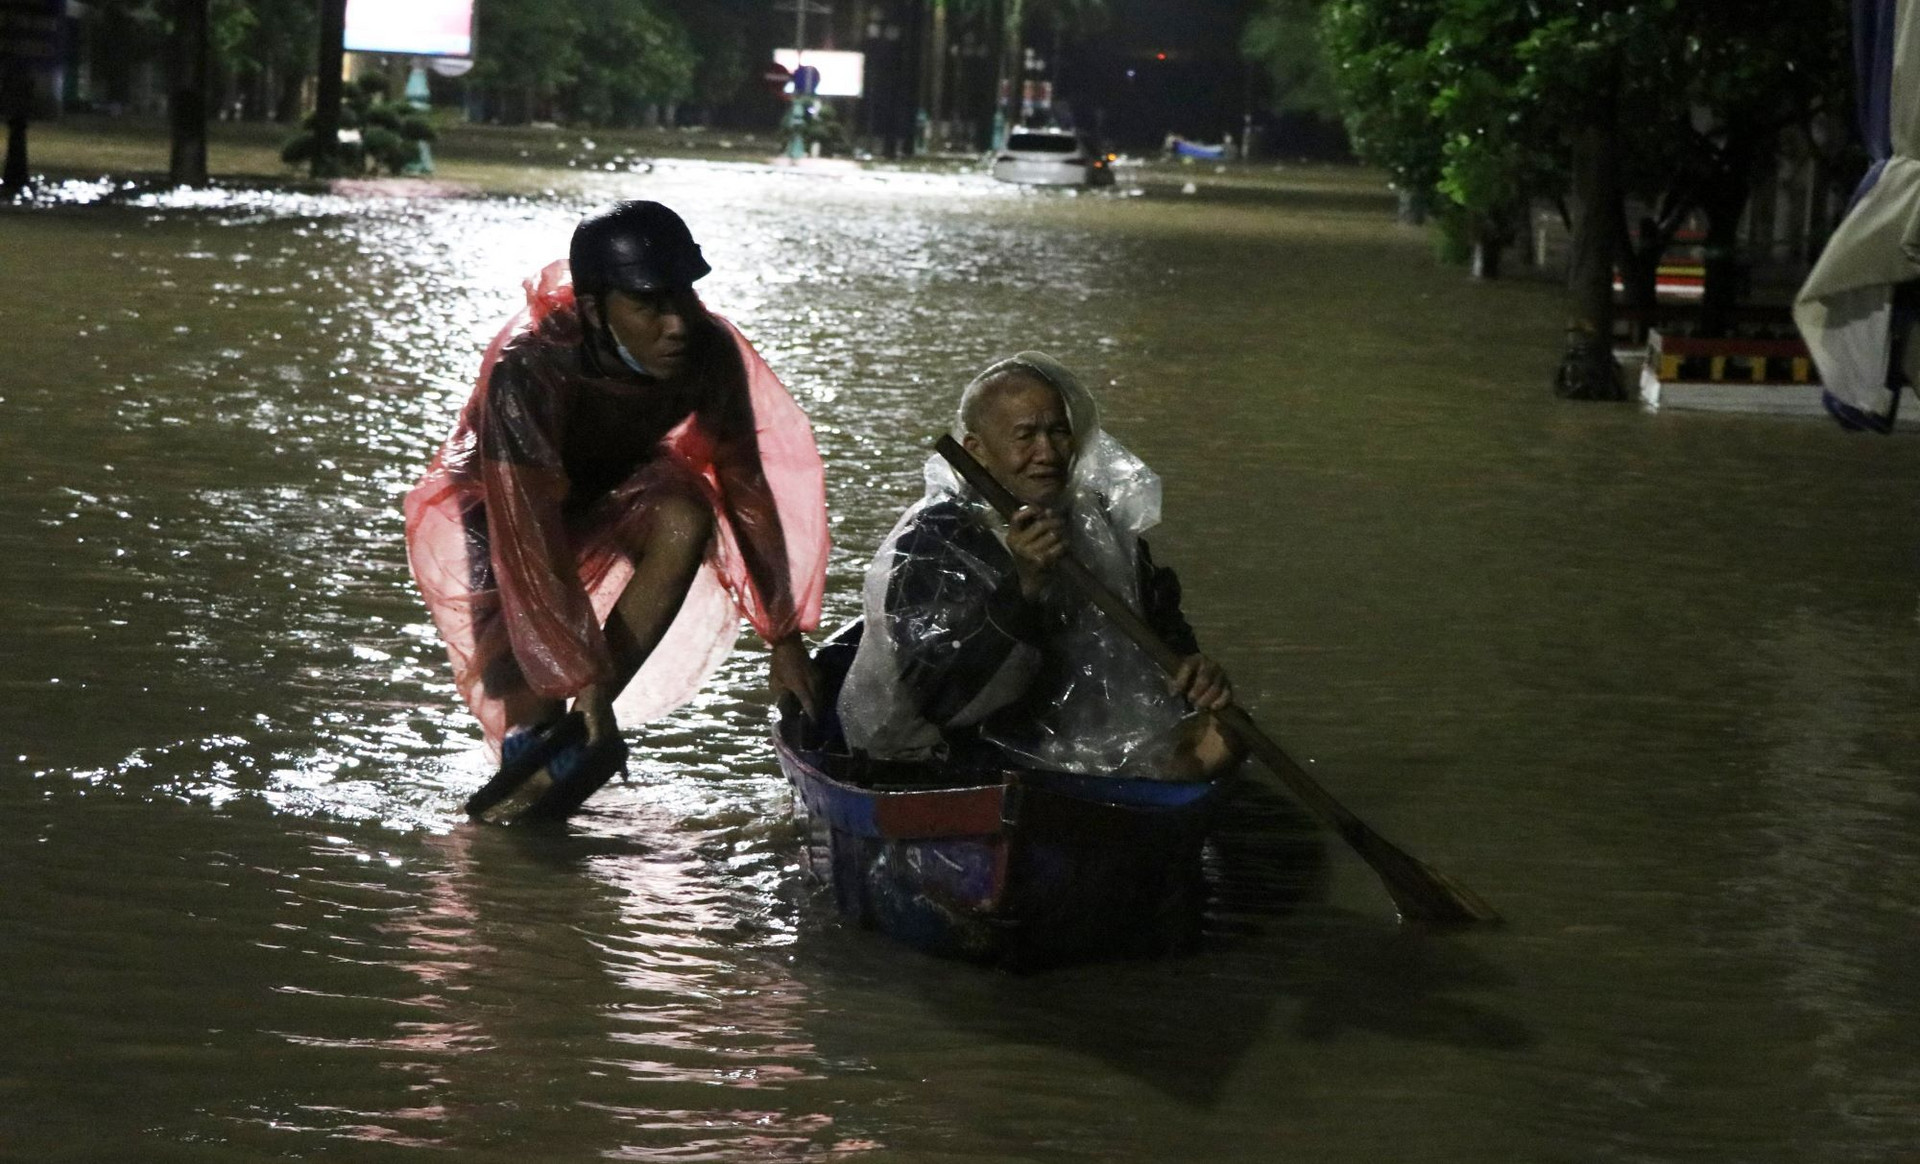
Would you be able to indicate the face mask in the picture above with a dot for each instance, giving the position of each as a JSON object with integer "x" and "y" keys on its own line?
{"x": 626, "y": 357}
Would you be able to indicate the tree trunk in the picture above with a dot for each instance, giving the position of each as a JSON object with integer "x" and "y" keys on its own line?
{"x": 1724, "y": 203}
{"x": 1587, "y": 369}
{"x": 1412, "y": 209}
{"x": 16, "y": 103}
{"x": 1012, "y": 73}
{"x": 937, "y": 77}
{"x": 1491, "y": 237}
{"x": 187, "y": 108}
{"x": 1486, "y": 258}
{"x": 292, "y": 85}
{"x": 1639, "y": 260}
{"x": 326, "y": 114}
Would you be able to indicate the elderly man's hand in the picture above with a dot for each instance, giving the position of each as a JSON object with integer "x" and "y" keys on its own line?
{"x": 1037, "y": 538}
{"x": 1201, "y": 682}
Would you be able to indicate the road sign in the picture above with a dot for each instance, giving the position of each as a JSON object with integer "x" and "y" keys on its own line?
{"x": 776, "y": 77}
{"x": 806, "y": 81}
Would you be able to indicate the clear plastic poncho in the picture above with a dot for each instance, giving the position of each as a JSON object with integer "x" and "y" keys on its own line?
{"x": 515, "y": 531}
{"x": 952, "y": 651}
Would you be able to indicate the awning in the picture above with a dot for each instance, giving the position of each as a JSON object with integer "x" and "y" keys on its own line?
{"x": 1860, "y": 303}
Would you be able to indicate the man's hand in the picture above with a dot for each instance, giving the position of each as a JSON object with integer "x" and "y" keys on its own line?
{"x": 1037, "y": 538}
{"x": 791, "y": 670}
{"x": 595, "y": 703}
{"x": 1201, "y": 682}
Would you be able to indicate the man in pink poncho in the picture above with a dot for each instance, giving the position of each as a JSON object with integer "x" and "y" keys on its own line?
{"x": 627, "y": 480}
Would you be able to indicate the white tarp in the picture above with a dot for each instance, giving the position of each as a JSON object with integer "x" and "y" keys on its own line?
{"x": 1846, "y": 310}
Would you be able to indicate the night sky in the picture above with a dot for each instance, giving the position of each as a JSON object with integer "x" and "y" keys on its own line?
{"x": 1120, "y": 80}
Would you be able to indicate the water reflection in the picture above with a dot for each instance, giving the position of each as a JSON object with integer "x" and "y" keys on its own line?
{"x": 1605, "y": 667}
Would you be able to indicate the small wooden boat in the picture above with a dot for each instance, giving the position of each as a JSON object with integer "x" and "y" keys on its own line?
{"x": 1012, "y": 865}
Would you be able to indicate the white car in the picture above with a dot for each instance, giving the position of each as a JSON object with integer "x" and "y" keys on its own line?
{"x": 1051, "y": 157}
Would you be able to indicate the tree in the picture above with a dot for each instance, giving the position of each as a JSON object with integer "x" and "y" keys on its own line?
{"x": 594, "y": 60}
{"x": 187, "y": 102}
{"x": 728, "y": 39}
{"x": 1483, "y": 106}
{"x": 632, "y": 58}
{"x": 1382, "y": 78}
{"x": 1284, "y": 38}
{"x": 263, "y": 54}
{"x": 525, "y": 51}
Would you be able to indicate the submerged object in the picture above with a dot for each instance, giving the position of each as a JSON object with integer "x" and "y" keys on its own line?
{"x": 548, "y": 774}
{"x": 1180, "y": 147}
{"x": 1051, "y": 157}
{"x": 1011, "y": 865}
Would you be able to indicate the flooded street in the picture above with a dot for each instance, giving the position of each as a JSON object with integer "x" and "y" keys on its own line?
{"x": 1649, "y": 683}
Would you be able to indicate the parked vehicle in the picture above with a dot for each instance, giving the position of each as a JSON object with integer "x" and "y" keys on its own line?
{"x": 1051, "y": 157}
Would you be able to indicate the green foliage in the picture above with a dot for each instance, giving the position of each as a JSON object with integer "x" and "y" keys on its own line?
{"x": 632, "y": 56}
{"x": 390, "y": 131}
{"x": 601, "y": 61}
{"x": 1383, "y": 79}
{"x": 1474, "y": 102}
{"x": 1283, "y": 36}
{"x": 533, "y": 45}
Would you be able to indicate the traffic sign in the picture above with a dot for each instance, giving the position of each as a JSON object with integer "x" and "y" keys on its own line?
{"x": 806, "y": 81}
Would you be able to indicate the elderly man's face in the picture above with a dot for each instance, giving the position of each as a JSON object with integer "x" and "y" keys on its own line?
{"x": 1023, "y": 436}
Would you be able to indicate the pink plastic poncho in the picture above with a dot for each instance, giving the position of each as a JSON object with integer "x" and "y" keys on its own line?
{"x": 514, "y": 533}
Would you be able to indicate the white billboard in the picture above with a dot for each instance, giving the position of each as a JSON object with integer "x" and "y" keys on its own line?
{"x": 841, "y": 74}
{"x": 417, "y": 28}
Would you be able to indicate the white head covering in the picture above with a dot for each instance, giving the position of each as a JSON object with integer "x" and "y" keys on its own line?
{"x": 1102, "y": 467}
{"x": 1100, "y": 705}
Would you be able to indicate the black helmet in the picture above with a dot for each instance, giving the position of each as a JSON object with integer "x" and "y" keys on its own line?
{"x": 634, "y": 246}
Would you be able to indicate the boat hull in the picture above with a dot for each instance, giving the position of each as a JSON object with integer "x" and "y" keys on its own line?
{"x": 1017, "y": 866}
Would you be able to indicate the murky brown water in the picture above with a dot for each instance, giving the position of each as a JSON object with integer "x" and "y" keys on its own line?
{"x": 1646, "y": 682}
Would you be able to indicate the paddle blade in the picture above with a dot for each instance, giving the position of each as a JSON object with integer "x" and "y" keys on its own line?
{"x": 1420, "y": 892}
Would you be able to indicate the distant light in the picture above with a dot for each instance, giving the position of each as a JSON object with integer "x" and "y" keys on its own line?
{"x": 1129, "y": 73}
{"x": 1160, "y": 56}
{"x": 842, "y": 74}
{"x": 438, "y": 28}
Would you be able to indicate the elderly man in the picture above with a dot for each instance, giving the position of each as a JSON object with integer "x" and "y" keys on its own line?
{"x": 975, "y": 652}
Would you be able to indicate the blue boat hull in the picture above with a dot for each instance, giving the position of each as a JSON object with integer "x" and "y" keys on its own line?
{"x": 1017, "y": 866}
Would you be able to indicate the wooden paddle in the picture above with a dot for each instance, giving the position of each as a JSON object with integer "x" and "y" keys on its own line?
{"x": 1421, "y": 892}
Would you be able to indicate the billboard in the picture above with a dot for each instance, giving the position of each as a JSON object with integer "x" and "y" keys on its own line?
{"x": 841, "y": 74}
{"x": 417, "y": 28}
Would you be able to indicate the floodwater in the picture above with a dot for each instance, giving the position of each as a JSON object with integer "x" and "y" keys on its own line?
{"x": 1646, "y": 682}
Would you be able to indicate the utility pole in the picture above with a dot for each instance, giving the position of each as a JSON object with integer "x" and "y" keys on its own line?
{"x": 937, "y": 79}
{"x": 187, "y": 104}
{"x": 1006, "y": 112}
{"x": 326, "y": 118}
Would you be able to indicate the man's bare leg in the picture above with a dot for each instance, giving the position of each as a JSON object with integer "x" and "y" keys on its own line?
{"x": 666, "y": 557}
{"x": 524, "y": 707}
